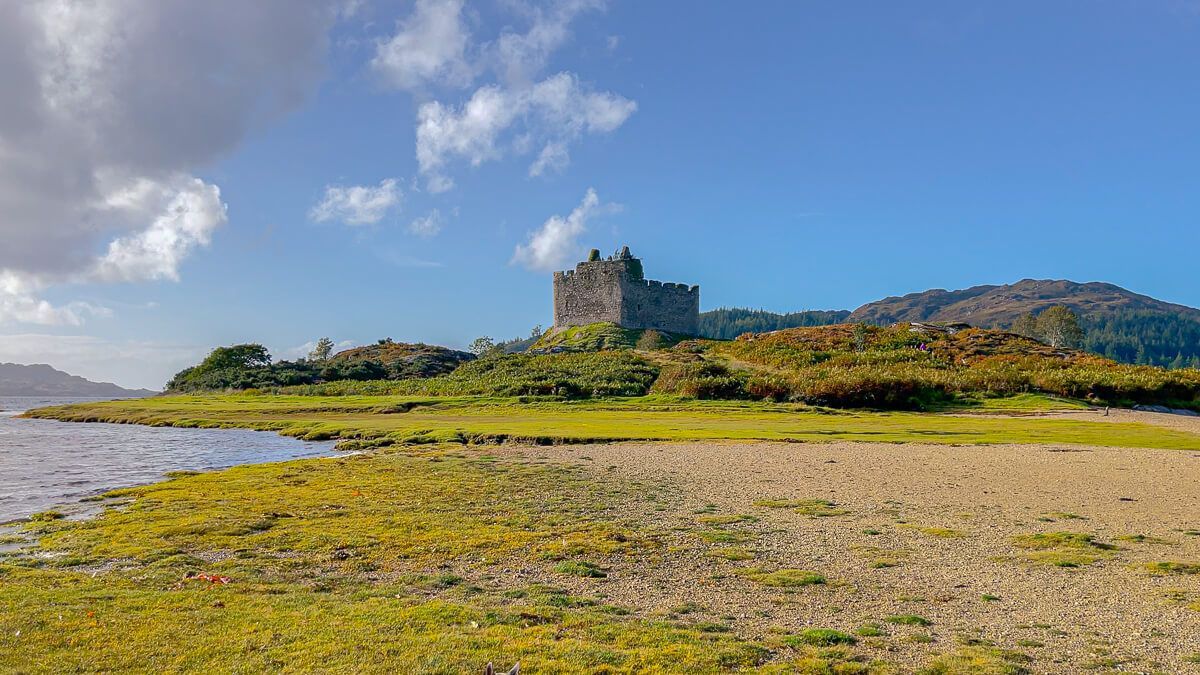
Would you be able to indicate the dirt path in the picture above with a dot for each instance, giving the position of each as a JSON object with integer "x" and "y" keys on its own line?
{"x": 927, "y": 531}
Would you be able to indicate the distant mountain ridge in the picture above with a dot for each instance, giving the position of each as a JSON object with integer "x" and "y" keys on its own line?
{"x": 1118, "y": 323}
{"x": 43, "y": 380}
{"x": 999, "y": 306}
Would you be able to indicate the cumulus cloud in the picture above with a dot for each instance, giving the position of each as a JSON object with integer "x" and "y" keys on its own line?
{"x": 519, "y": 112}
{"x": 19, "y": 302}
{"x": 110, "y": 107}
{"x": 556, "y": 243}
{"x": 428, "y": 225}
{"x": 552, "y": 113}
{"x": 428, "y": 47}
{"x": 358, "y": 204}
{"x": 182, "y": 213}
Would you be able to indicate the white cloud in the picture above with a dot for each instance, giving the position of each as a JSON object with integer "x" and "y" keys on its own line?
{"x": 513, "y": 115}
{"x": 358, "y": 204}
{"x": 428, "y": 225}
{"x": 552, "y": 113}
{"x": 428, "y": 47}
{"x": 518, "y": 57}
{"x": 19, "y": 302}
{"x": 553, "y": 157}
{"x": 183, "y": 214}
{"x": 556, "y": 243}
{"x": 108, "y": 114}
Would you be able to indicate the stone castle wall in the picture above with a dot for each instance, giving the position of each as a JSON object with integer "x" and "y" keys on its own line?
{"x": 616, "y": 291}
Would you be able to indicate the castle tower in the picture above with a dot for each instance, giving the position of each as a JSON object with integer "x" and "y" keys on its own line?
{"x": 615, "y": 290}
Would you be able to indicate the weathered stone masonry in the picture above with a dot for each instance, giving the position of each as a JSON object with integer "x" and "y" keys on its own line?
{"x": 616, "y": 290}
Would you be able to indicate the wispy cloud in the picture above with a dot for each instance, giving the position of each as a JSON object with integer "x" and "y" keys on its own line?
{"x": 358, "y": 204}
{"x": 556, "y": 243}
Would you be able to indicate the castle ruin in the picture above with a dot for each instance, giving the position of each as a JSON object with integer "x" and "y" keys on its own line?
{"x": 616, "y": 290}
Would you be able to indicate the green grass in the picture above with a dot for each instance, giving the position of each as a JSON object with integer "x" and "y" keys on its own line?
{"x": 784, "y": 578}
{"x": 820, "y": 637}
{"x": 580, "y": 568}
{"x": 1143, "y": 539}
{"x": 978, "y": 661}
{"x": 374, "y": 420}
{"x": 1170, "y": 567}
{"x": 734, "y": 553}
{"x": 600, "y": 336}
{"x": 908, "y": 620}
{"x": 727, "y": 519}
{"x": 1016, "y": 403}
{"x": 816, "y": 508}
{"x": 1063, "y": 549}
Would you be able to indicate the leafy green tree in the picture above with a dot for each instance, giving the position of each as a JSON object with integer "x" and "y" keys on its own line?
{"x": 536, "y": 332}
{"x": 1027, "y": 325}
{"x": 482, "y": 345}
{"x": 236, "y": 357}
{"x": 322, "y": 351}
{"x": 1059, "y": 327}
{"x": 1178, "y": 363}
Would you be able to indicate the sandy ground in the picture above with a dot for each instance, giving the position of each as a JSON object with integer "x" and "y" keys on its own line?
{"x": 1107, "y": 616}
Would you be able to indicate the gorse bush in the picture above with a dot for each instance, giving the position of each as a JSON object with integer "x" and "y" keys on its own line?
{"x": 701, "y": 379}
{"x": 898, "y": 367}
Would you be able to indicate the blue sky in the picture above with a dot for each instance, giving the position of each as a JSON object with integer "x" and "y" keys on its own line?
{"x": 785, "y": 155}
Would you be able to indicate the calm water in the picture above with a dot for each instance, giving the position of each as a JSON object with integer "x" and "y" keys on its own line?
{"x": 46, "y": 464}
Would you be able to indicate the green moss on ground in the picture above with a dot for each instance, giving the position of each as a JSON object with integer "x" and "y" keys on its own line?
{"x": 1063, "y": 549}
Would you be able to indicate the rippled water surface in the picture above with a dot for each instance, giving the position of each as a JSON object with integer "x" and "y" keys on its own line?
{"x": 46, "y": 464}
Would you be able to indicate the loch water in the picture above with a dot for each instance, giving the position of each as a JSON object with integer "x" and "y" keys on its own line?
{"x": 46, "y": 464}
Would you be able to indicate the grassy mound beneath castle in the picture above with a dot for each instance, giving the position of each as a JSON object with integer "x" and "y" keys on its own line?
{"x": 603, "y": 337}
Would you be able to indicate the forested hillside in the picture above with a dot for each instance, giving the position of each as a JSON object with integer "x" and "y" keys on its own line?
{"x": 728, "y": 323}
